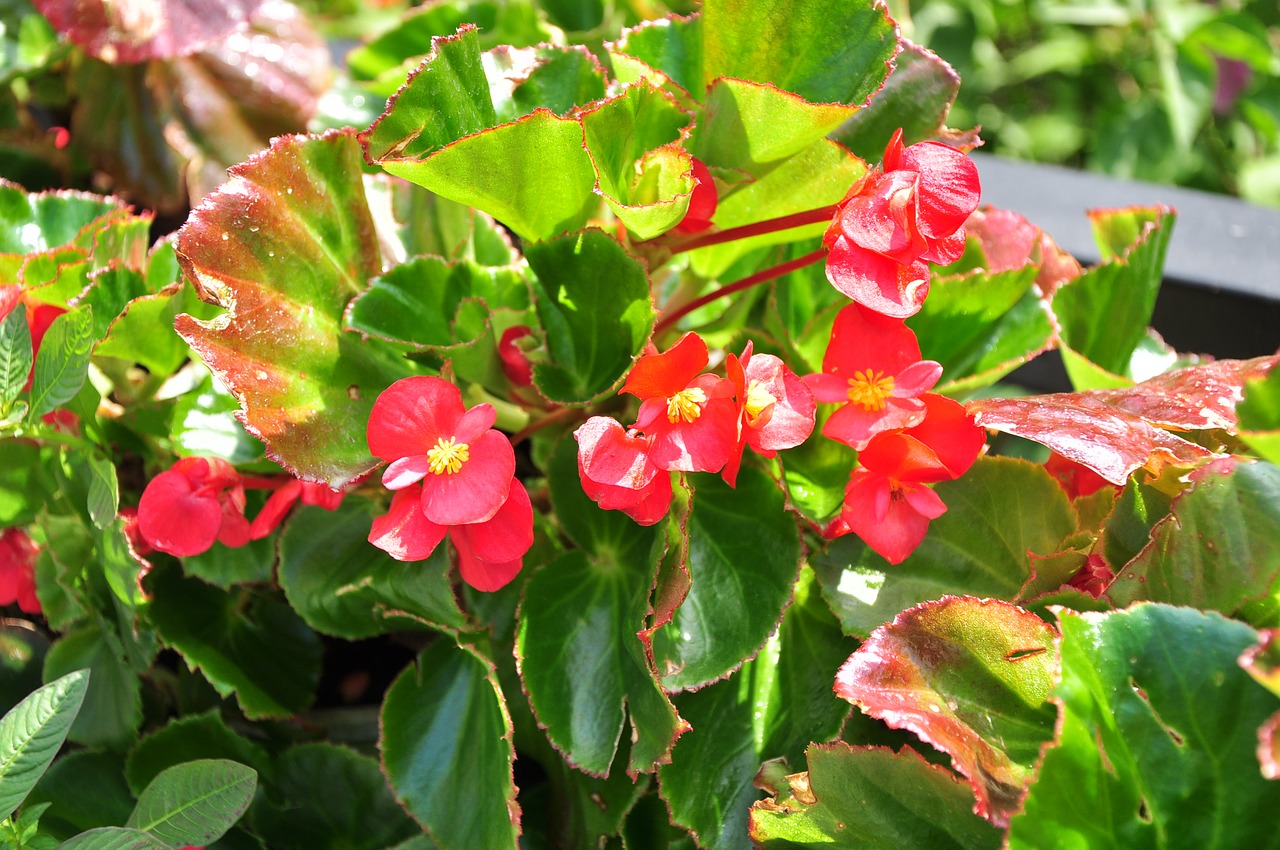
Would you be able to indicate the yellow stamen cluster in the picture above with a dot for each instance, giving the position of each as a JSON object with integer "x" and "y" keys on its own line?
{"x": 686, "y": 405}
{"x": 447, "y": 457}
{"x": 758, "y": 398}
{"x": 870, "y": 389}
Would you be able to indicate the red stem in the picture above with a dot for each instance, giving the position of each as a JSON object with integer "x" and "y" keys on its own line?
{"x": 770, "y": 225}
{"x": 768, "y": 274}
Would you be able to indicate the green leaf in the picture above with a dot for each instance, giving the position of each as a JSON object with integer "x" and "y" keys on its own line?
{"x": 63, "y": 360}
{"x": 971, "y": 677}
{"x": 85, "y": 790}
{"x": 1259, "y": 414}
{"x": 143, "y": 332}
{"x": 38, "y": 221}
{"x": 446, "y": 749}
{"x": 872, "y": 797}
{"x": 32, "y": 732}
{"x": 341, "y": 585}
{"x": 283, "y": 246}
{"x": 351, "y": 809}
{"x": 1104, "y": 313}
{"x": 668, "y": 51}
{"x": 188, "y": 739}
{"x": 109, "y": 292}
{"x": 204, "y": 424}
{"x": 816, "y": 472}
{"x": 244, "y": 643}
{"x": 441, "y": 131}
{"x": 744, "y": 553}
{"x": 114, "y": 838}
{"x": 15, "y": 355}
{"x": 825, "y": 54}
{"x": 104, "y": 489}
{"x": 739, "y": 723}
{"x": 1156, "y": 745}
{"x": 593, "y": 302}
{"x": 1214, "y": 550}
{"x": 749, "y": 126}
{"x": 194, "y": 803}
{"x": 226, "y": 566}
{"x": 112, "y": 709}
{"x": 1000, "y": 510}
{"x": 642, "y": 170}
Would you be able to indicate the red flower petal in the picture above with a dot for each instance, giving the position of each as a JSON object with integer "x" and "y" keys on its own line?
{"x": 174, "y": 519}
{"x": 655, "y": 501}
{"x": 862, "y": 339}
{"x": 877, "y": 282}
{"x": 882, "y": 218}
{"x": 663, "y": 375}
{"x": 475, "y": 422}
{"x": 608, "y": 454}
{"x": 477, "y": 490}
{"x": 275, "y": 510}
{"x": 321, "y": 495}
{"x": 900, "y": 529}
{"x": 702, "y": 204}
{"x": 791, "y": 420}
{"x": 403, "y": 532}
{"x": 949, "y": 186}
{"x": 515, "y": 365}
{"x": 506, "y": 537}
{"x": 411, "y": 415}
{"x": 705, "y": 444}
{"x": 951, "y": 432}
{"x": 916, "y": 379}
{"x": 855, "y": 426}
{"x": 406, "y": 472}
{"x": 18, "y": 570}
{"x": 485, "y": 576}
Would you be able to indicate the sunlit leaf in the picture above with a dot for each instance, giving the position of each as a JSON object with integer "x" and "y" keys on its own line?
{"x": 32, "y": 732}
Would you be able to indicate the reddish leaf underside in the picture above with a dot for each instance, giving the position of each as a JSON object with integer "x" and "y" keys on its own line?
{"x": 972, "y": 678}
{"x": 126, "y": 31}
{"x": 283, "y": 246}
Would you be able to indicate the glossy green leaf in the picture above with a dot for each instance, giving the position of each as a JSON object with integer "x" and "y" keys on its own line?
{"x": 38, "y": 221}
{"x": 750, "y": 126}
{"x": 667, "y": 51}
{"x": 446, "y": 749}
{"x": 970, "y": 676}
{"x": 15, "y": 356}
{"x": 225, "y": 566}
{"x": 112, "y": 708}
{"x": 744, "y": 554}
{"x": 104, "y": 489}
{"x": 823, "y": 53}
{"x": 642, "y": 170}
{"x": 203, "y": 424}
{"x": 739, "y": 723}
{"x": 866, "y": 798}
{"x": 341, "y": 585}
{"x": 109, "y": 293}
{"x": 916, "y": 98}
{"x": 32, "y": 732}
{"x": 414, "y": 222}
{"x": 352, "y": 809}
{"x": 543, "y": 77}
{"x": 1215, "y": 550}
{"x": 441, "y": 131}
{"x": 194, "y": 803}
{"x": 581, "y": 661}
{"x": 85, "y": 790}
{"x": 1156, "y": 745}
{"x": 283, "y": 247}
{"x": 1104, "y": 313}
{"x": 143, "y": 332}
{"x": 187, "y": 739}
{"x": 114, "y": 838}
{"x": 249, "y": 645}
{"x": 998, "y": 512}
{"x": 593, "y": 301}
{"x": 26, "y": 481}
{"x": 63, "y": 360}
{"x": 1259, "y": 413}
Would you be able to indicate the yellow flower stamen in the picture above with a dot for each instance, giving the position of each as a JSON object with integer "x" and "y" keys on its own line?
{"x": 685, "y": 405}
{"x": 758, "y": 398}
{"x": 447, "y": 457}
{"x": 870, "y": 389}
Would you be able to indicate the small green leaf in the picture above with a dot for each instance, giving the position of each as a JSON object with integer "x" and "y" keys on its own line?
{"x": 593, "y": 302}
{"x": 104, "y": 489}
{"x": 446, "y": 749}
{"x": 15, "y": 355}
{"x": 63, "y": 360}
{"x": 33, "y": 731}
{"x": 114, "y": 838}
{"x": 194, "y": 803}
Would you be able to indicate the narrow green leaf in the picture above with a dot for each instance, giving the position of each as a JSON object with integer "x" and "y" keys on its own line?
{"x": 104, "y": 489}
{"x": 998, "y": 512}
{"x": 744, "y": 556}
{"x": 446, "y": 749}
{"x": 63, "y": 360}
{"x": 33, "y": 731}
{"x": 194, "y": 803}
{"x": 114, "y": 838}
{"x": 15, "y": 355}
{"x": 1156, "y": 747}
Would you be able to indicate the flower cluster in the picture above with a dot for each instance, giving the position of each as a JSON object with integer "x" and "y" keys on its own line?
{"x": 18, "y": 570}
{"x": 198, "y": 501}
{"x": 690, "y": 421}
{"x": 452, "y": 474}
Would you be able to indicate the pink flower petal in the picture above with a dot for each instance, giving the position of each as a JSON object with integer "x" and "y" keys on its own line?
{"x": 949, "y": 188}
{"x": 916, "y": 379}
{"x": 608, "y": 454}
{"x": 406, "y": 472}
{"x": 477, "y": 490}
{"x": 877, "y": 282}
{"x": 403, "y": 532}
{"x": 924, "y": 501}
{"x": 855, "y": 426}
{"x": 827, "y": 388}
{"x": 175, "y": 520}
{"x": 881, "y": 218}
{"x": 794, "y": 407}
{"x": 411, "y": 415}
{"x": 506, "y": 537}
{"x": 474, "y": 422}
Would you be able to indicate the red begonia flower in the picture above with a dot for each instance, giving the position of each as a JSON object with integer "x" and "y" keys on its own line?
{"x": 18, "y": 570}
{"x": 691, "y": 417}
{"x": 890, "y": 516}
{"x": 617, "y": 473}
{"x": 873, "y": 365}
{"x": 197, "y": 501}
{"x": 515, "y": 365}
{"x": 702, "y": 204}
{"x": 282, "y": 500}
{"x": 1094, "y": 577}
{"x": 422, "y": 427}
{"x": 490, "y": 553}
{"x": 776, "y": 409}
{"x": 905, "y": 214}
{"x": 1075, "y": 478}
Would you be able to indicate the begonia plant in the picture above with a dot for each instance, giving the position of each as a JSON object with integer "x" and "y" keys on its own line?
{"x": 571, "y": 444}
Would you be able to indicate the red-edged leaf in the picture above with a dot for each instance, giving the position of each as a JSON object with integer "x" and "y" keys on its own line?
{"x": 283, "y": 246}
{"x": 1195, "y": 398}
{"x": 137, "y": 31}
{"x": 970, "y": 676}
